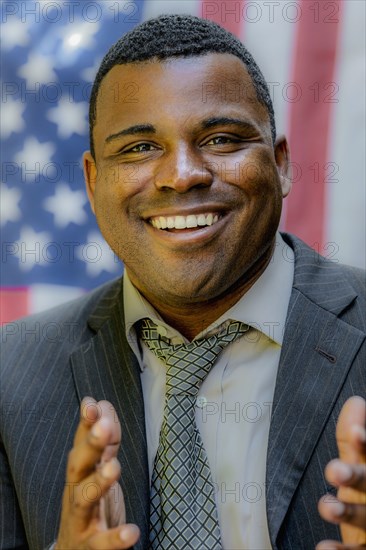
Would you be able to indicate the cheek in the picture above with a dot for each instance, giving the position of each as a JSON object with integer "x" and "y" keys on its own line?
{"x": 126, "y": 179}
{"x": 256, "y": 174}
{"x": 119, "y": 180}
{"x": 115, "y": 196}
{"x": 114, "y": 187}
{"x": 108, "y": 203}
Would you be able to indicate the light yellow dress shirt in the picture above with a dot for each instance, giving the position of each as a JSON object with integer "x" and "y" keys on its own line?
{"x": 234, "y": 403}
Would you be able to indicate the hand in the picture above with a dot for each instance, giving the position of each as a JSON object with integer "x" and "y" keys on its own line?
{"x": 349, "y": 475}
{"x": 93, "y": 510}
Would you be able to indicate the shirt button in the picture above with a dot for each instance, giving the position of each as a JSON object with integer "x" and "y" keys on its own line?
{"x": 201, "y": 401}
{"x": 161, "y": 330}
{"x": 176, "y": 340}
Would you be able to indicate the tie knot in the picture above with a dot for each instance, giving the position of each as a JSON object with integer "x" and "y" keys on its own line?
{"x": 188, "y": 364}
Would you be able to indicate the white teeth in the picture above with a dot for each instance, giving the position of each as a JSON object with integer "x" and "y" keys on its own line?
{"x": 180, "y": 222}
{"x": 162, "y": 222}
{"x": 201, "y": 219}
{"x": 183, "y": 222}
{"x": 191, "y": 221}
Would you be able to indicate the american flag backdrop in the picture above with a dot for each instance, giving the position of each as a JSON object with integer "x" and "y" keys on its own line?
{"x": 312, "y": 55}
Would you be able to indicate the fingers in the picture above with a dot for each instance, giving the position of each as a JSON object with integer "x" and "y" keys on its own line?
{"x": 114, "y": 506}
{"x": 97, "y": 438}
{"x": 86, "y": 495}
{"x": 348, "y": 474}
{"x": 84, "y": 456}
{"x": 351, "y": 433}
{"x": 90, "y": 412}
{"x": 119, "y": 538}
{"x": 92, "y": 473}
{"x": 115, "y": 539}
{"x": 108, "y": 411}
{"x": 85, "y": 482}
{"x": 358, "y": 438}
{"x": 339, "y": 473}
{"x": 335, "y": 511}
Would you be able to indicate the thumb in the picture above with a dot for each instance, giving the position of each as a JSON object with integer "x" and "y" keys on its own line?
{"x": 350, "y": 434}
{"x": 350, "y": 430}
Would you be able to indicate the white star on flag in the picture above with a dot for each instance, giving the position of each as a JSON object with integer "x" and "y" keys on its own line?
{"x": 38, "y": 69}
{"x": 34, "y": 156}
{"x": 9, "y": 204}
{"x": 11, "y": 119}
{"x": 32, "y": 248}
{"x": 79, "y": 34}
{"x": 66, "y": 206}
{"x": 14, "y": 33}
{"x": 98, "y": 256}
{"x": 89, "y": 73}
{"x": 70, "y": 117}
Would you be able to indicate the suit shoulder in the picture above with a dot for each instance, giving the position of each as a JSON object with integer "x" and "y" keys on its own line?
{"x": 335, "y": 287}
{"x": 80, "y": 307}
{"x": 312, "y": 266}
{"x": 357, "y": 275}
{"x": 63, "y": 326}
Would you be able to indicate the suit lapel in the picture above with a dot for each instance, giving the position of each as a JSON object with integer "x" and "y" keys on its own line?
{"x": 106, "y": 368}
{"x": 318, "y": 350}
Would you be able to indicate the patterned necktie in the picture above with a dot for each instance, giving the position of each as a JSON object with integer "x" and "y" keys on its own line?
{"x": 183, "y": 511}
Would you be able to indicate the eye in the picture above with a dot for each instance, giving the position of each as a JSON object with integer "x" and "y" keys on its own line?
{"x": 141, "y": 148}
{"x": 221, "y": 140}
{"x": 138, "y": 151}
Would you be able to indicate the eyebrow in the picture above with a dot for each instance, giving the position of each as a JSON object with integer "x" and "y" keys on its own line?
{"x": 133, "y": 130}
{"x": 228, "y": 121}
{"x": 212, "y": 122}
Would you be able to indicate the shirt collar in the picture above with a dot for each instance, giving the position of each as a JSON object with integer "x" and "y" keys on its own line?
{"x": 263, "y": 307}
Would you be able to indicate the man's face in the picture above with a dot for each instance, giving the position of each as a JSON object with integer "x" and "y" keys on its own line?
{"x": 186, "y": 183}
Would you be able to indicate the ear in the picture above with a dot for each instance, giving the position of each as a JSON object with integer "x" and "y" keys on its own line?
{"x": 90, "y": 176}
{"x": 282, "y": 157}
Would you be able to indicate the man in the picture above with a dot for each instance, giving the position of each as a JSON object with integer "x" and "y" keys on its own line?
{"x": 186, "y": 178}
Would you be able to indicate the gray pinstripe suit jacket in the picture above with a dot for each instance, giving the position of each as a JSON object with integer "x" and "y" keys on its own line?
{"x": 53, "y": 359}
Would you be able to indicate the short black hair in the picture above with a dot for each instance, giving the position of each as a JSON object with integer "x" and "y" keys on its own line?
{"x": 170, "y": 36}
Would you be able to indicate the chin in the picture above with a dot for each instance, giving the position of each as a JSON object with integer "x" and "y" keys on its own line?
{"x": 185, "y": 293}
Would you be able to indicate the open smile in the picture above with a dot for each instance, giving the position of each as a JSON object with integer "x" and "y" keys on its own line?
{"x": 191, "y": 229}
{"x": 192, "y": 221}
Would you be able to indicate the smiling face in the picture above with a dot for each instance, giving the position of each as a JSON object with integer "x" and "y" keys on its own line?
{"x": 186, "y": 182}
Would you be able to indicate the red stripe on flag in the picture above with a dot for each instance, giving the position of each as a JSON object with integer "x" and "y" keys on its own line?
{"x": 313, "y": 93}
{"x": 14, "y": 303}
{"x": 226, "y": 13}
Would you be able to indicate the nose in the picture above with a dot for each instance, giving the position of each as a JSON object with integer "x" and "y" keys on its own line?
{"x": 182, "y": 170}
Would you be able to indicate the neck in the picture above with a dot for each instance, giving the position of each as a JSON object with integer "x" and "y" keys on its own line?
{"x": 190, "y": 319}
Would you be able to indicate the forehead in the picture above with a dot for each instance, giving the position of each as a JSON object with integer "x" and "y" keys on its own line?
{"x": 189, "y": 87}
